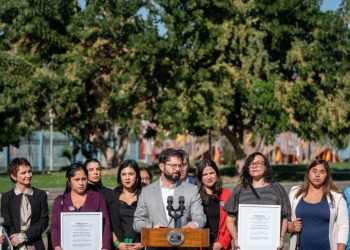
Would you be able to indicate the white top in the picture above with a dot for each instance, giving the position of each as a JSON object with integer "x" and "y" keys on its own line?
{"x": 338, "y": 221}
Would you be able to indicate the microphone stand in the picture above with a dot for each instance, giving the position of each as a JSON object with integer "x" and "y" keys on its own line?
{"x": 173, "y": 213}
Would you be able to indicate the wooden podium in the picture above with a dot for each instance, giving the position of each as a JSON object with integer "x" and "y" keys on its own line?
{"x": 162, "y": 237}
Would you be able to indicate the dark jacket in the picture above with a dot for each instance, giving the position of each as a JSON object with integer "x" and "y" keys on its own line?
{"x": 113, "y": 201}
{"x": 10, "y": 210}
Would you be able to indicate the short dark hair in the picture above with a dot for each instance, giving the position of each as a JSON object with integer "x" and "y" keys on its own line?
{"x": 15, "y": 164}
{"x": 184, "y": 155}
{"x": 165, "y": 155}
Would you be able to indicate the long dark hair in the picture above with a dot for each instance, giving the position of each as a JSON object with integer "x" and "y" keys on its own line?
{"x": 86, "y": 163}
{"x": 133, "y": 164}
{"x": 70, "y": 172}
{"x": 246, "y": 179}
{"x": 328, "y": 184}
{"x": 217, "y": 189}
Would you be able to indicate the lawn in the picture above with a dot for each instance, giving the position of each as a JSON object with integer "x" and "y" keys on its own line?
{"x": 340, "y": 171}
{"x": 51, "y": 180}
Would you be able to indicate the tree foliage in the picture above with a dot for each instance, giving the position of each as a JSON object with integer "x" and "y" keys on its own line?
{"x": 239, "y": 67}
{"x": 259, "y": 67}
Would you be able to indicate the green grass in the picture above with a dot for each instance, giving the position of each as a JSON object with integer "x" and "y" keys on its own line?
{"x": 340, "y": 171}
{"x": 51, "y": 180}
{"x": 39, "y": 180}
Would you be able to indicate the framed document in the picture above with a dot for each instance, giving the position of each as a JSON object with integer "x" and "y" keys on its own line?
{"x": 81, "y": 230}
{"x": 259, "y": 226}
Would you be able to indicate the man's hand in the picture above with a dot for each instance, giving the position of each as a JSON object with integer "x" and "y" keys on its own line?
{"x": 158, "y": 225}
{"x": 191, "y": 225}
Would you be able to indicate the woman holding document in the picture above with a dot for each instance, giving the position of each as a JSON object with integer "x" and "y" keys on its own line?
{"x": 319, "y": 211}
{"x": 76, "y": 198}
{"x": 257, "y": 187}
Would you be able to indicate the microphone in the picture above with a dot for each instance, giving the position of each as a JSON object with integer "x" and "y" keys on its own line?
{"x": 297, "y": 247}
{"x": 181, "y": 209}
{"x": 169, "y": 207}
{"x": 181, "y": 204}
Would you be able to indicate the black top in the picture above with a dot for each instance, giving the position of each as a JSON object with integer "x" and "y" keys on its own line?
{"x": 106, "y": 192}
{"x": 116, "y": 217}
{"x": 126, "y": 213}
{"x": 212, "y": 211}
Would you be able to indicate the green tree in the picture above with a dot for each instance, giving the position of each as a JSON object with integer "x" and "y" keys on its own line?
{"x": 239, "y": 67}
{"x": 101, "y": 84}
{"x": 30, "y": 33}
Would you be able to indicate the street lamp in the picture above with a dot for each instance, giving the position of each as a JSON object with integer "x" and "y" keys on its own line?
{"x": 52, "y": 117}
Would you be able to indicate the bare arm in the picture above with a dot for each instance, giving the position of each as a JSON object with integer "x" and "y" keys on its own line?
{"x": 283, "y": 232}
{"x": 232, "y": 228}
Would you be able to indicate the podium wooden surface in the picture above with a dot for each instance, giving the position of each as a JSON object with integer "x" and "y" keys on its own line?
{"x": 157, "y": 237}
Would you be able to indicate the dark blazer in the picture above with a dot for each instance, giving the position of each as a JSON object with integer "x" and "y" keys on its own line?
{"x": 10, "y": 210}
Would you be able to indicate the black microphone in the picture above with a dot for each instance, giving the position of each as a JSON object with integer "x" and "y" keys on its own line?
{"x": 169, "y": 207}
{"x": 181, "y": 203}
{"x": 180, "y": 209}
{"x": 297, "y": 247}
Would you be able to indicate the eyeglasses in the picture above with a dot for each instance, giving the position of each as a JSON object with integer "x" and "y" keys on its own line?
{"x": 257, "y": 164}
{"x": 145, "y": 178}
{"x": 174, "y": 166}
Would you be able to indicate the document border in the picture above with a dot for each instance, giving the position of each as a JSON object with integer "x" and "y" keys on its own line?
{"x": 93, "y": 217}
{"x": 274, "y": 213}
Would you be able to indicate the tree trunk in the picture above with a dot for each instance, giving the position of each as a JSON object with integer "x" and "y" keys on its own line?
{"x": 112, "y": 155}
{"x": 123, "y": 145}
{"x": 237, "y": 147}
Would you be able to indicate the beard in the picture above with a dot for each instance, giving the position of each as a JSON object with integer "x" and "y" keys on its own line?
{"x": 171, "y": 177}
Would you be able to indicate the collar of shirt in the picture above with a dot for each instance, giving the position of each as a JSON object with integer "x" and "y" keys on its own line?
{"x": 165, "y": 193}
{"x": 29, "y": 192}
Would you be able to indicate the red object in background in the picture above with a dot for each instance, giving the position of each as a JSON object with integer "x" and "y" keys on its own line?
{"x": 142, "y": 148}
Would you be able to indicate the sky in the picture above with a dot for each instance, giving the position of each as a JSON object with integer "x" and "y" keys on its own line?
{"x": 330, "y": 4}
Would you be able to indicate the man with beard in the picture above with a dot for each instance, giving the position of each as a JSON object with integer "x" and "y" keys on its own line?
{"x": 152, "y": 205}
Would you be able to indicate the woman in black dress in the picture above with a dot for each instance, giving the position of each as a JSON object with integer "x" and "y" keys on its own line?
{"x": 123, "y": 204}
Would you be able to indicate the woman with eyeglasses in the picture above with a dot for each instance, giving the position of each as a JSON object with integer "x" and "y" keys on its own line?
{"x": 123, "y": 204}
{"x": 319, "y": 211}
{"x": 257, "y": 187}
{"x": 214, "y": 197}
{"x": 146, "y": 176}
{"x": 76, "y": 198}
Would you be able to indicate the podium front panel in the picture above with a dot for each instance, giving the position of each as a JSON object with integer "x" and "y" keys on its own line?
{"x": 159, "y": 237}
